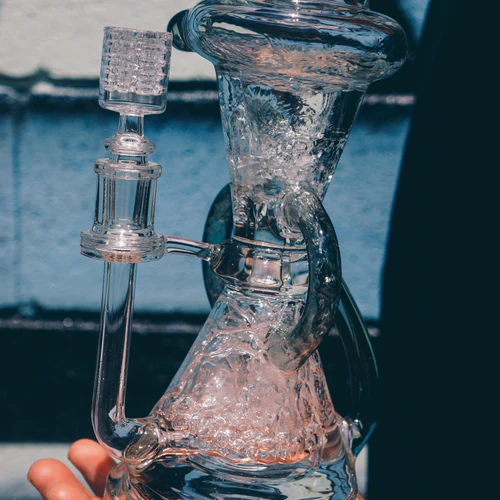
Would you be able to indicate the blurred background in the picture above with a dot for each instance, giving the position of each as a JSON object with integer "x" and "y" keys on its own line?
{"x": 52, "y": 130}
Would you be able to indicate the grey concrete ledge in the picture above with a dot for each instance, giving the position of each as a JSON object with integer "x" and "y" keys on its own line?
{"x": 19, "y": 95}
{"x": 167, "y": 326}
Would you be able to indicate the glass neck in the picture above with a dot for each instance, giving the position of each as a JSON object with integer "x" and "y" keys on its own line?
{"x": 131, "y": 124}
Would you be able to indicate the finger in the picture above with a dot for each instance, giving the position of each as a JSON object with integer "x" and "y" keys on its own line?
{"x": 47, "y": 474}
{"x": 68, "y": 491}
{"x": 93, "y": 462}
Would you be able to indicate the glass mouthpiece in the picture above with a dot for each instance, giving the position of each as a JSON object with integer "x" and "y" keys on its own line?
{"x": 134, "y": 71}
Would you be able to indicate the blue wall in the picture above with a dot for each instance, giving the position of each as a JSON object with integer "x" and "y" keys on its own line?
{"x": 48, "y": 189}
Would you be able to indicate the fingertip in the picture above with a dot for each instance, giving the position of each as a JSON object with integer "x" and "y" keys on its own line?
{"x": 93, "y": 462}
{"x": 83, "y": 447}
{"x": 47, "y": 474}
{"x": 86, "y": 451}
{"x": 41, "y": 472}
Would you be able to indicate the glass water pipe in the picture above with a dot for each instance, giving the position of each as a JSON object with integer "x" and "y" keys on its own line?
{"x": 249, "y": 413}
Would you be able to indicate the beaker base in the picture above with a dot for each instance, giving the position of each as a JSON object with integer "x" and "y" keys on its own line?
{"x": 179, "y": 479}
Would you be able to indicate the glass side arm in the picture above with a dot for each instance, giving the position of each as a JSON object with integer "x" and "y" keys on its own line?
{"x": 184, "y": 246}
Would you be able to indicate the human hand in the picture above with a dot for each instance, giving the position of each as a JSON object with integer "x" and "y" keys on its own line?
{"x": 55, "y": 481}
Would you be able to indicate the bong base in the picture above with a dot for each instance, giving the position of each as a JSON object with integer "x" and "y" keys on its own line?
{"x": 178, "y": 479}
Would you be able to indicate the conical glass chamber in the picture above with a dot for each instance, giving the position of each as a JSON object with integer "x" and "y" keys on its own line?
{"x": 291, "y": 76}
{"x": 249, "y": 413}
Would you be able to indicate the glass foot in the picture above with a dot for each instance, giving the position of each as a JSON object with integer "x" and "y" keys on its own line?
{"x": 178, "y": 478}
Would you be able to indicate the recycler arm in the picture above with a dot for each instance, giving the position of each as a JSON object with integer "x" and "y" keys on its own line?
{"x": 287, "y": 348}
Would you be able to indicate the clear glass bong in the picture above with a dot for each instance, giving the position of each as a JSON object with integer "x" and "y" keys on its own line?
{"x": 249, "y": 413}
